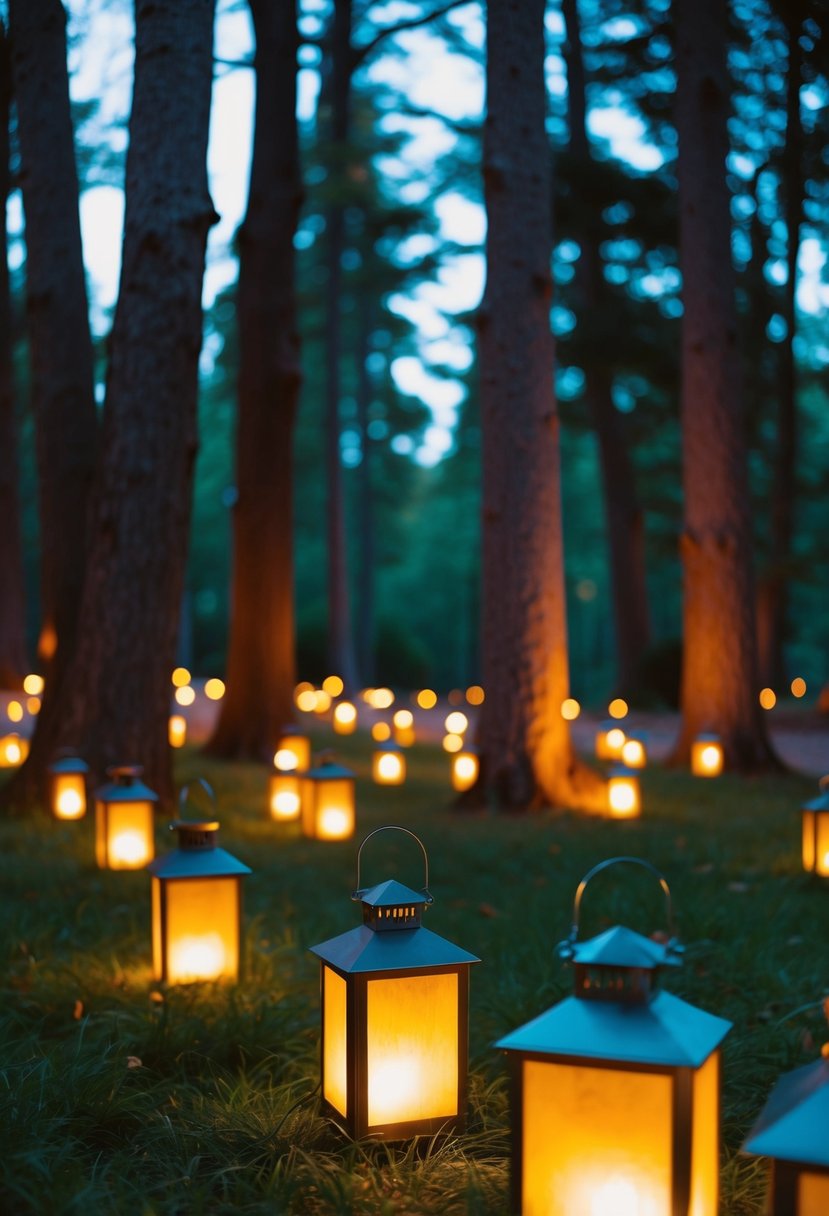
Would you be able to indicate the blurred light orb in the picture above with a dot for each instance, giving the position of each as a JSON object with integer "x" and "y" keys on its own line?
{"x": 306, "y": 700}
{"x": 33, "y": 685}
{"x": 427, "y": 699}
{"x": 798, "y": 686}
{"x": 618, "y": 707}
{"x": 456, "y": 723}
{"x": 403, "y": 719}
{"x": 185, "y": 694}
{"x": 15, "y": 711}
{"x": 214, "y": 689}
{"x": 333, "y": 685}
{"x": 768, "y": 698}
{"x": 570, "y": 709}
{"x": 475, "y": 694}
{"x": 380, "y": 732}
{"x": 181, "y": 676}
{"x": 452, "y": 743}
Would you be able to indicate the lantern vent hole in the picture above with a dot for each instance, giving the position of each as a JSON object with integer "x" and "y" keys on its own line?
{"x": 635, "y": 985}
{"x": 406, "y": 916}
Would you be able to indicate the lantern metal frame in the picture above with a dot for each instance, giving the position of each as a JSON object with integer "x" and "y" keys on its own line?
{"x": 322, "y": 771}
{"x": 815, "y": 826}
{"x": 124, "y": 786}
{"x": 67, "y": 764}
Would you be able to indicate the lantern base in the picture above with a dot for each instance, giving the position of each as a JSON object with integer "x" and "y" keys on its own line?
{"x": 450, "y": 1125}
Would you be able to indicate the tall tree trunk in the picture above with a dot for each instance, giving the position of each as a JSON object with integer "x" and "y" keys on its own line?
{"x": 624, "y": 517}
{"x": 260, "y": 668}
{"x": 116, "y": 696}
{"x": 527, "y": 756}
{"x": 12, "y": 595}
{"x": 365, "y": 500}
{"x": 338, "y": 105}
{"x": 719, "y": 678}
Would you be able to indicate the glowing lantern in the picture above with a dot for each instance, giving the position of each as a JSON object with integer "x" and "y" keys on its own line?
{"x": 623, "y": 799}
{"x": 394, "y": 1018}
{"x": 327, "y": 799}
{"x": 404, "y": 731}
{"x": 177, "y": 730}
{"x": 197, "y": 907}
{"x": 67, "y": 787}
{"x": 293, "y": 751}
{"x": 13, "y": 750}
{"x": 610, "y": 739}
{"x": 616, "y": 1089}
{"x": 388, "y": 765}
{"x": 465, "y": 767}
{"x": 791, "y": 1130}
{"x": 345, "y": 718}
{"x": 634, "y": 751}
{"x": 816, "y": 832}
{"x": 124, "y": 820}
{"x": 707, "y": 757}
{"x": 455, "y": 723}
{"x": 284, "y": 796}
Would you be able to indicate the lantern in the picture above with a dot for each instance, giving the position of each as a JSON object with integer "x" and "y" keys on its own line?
{"x": 327, "y": 798}
{"x": 177, "y": 730}
{"x": 124, "y": 820}
{"x": 394, "y": 1017}
{"x": 707, "y": 759}
{"x": 293, "y": 751}
{"x": 67, "y": 787}
{"x": 388, "y": 765}
{"x": 283, "y": 796}
{"x": 610, "y": 739}
{"x": 634, "y": 751}
{"x": 623, "y": 798}
{"x": 344, "y": 718}
{"x": 465, "y": 767}
{"x": 816, "y": 832}
{"x": 404, "y": 729}
{"x": 13, "y": 750}
{"x": 196, "y": 906}
{"x": 791, "y": 1130}
{"x": 615, "y": 1091}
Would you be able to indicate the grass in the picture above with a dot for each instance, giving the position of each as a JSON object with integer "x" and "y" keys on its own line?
{"x": 117, "y": 1097}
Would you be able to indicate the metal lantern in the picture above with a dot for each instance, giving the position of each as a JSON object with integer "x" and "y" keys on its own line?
{"x": 615, "y": 1091}
{"x": 634, "y": 750}
{"x": 610, "y": 739}
{"x": 67, "y": 787}
{"x": 394, "y": 1017}
{"x": 623, "y": 797}
{"x": 327, "y": 798}
{"x": 465, "y": 766}
{"x": 124, "y": 829}
{"x": 816, "y": 832}
{"x": 791, "y": 1130}
{"x": 284, "y": 800}
{"x": 707, "y": 756}
{"x": 196, "y": 906}
{"x": 293, "y": 751}
{"x": 344, "y": 718}
{"x": 177, "y": 730}
{"x": 388, "y": 764}
{"x": 14, "y": 749}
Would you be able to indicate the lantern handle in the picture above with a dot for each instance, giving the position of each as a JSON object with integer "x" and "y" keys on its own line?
{"x": 393, "y": 827}
{"x": 206, "y": 786}
{"x": 566, "y": 948}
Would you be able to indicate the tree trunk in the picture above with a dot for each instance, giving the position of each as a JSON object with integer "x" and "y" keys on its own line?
{"x": 260, "y": 667}
{"x": 527, "y": 756}
{"x": 13, "y": 664}
{"x": 623, "y": 513}
{"x": 365, "y": 502}
{"x": 719, "y": 678}
{"x": 115, "y": 701}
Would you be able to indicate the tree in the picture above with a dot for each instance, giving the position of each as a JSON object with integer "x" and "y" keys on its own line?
{"x": 527, "y": 756}
{"x": 12, "y": 595}
{"x": 719, "y": 677}
{"x": 260, "y": 667}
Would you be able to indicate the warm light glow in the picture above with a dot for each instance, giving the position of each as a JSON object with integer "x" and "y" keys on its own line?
{"x": 475, "y": 694}
{"x": 333, "y": 685}
{"x": 570, "y": 709}
{"x": 185, "y": 695}
{"x": 214, "y": 689}
{"x": 33, "y": 705}
{"x": 334, "y": 823}
{"x": 70, "y": 801}
{"x": 812, "y": 1194}
{"x": 816, "y": 842}
{"x": 381, "y": 732}
{"x": 455, "y": 723}
{"x": 13, "y": 751}
{"x": 389, "y": 768}
{"x": 404, "y": 736}
{"x": 345, "y": 718}
{"x": 464, "y": 771}
{"x": 285, "y": 804}
{"x": 706, "y": 758}
{"x": 327, "y": 807}
{"x": 197, "y": 958}
{"x": 177, "y": 730}
{"x": 616, "y": 740}
{"x": 334, "y": 1040}
{"x": 452, "y": 743}
{"x": 427, "y": 699}
{"x": 633, "y": 753}
{"x": 798, "y": 687}
{"x": 322, "y": 701}
{"x": 202, "y": 928}
{"x": 617, "y": 1198}
{"x": 768, "y": 698}
{"x": 285, "y": 760}
{"x": 15, "y": 711}
{"x": 412, "y": 1048}
{"x": 623, "y": 797}
{"x": 181, "y": 677}
{"x": 33, "y": 685}
{"x": 382, "y": 698}
{"x": 618, "y": 708}
{"x": 123, "y": 834}
{"x": 128, "y": 850}
{"x": 403, "y": 719}
{"x": 306, "y": 700}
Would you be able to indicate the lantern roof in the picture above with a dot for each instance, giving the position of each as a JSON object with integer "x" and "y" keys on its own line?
{"x": 821, "y": 803}
{"x": 328, "y": 770}
{"x": 197, "y": 856}
{"x": 125, "y": 786}
{"x": 390, "y": 894}
{"x": 68, "y": 764}
{"x": 623, "y": 947}
{"x": 362, "y": 949}
{"x": 666, "y": 1032}
{"x": 792, "y": 1125}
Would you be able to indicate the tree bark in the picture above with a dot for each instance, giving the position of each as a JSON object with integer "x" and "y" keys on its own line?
{"x": 623, "y": 513}
{"x": 260, "y": 667}
{"x": 13, "y": 665}
{"x": 115, "y": 700}
{"x": 719, "y": 678}
{"x": 527, "y": 757}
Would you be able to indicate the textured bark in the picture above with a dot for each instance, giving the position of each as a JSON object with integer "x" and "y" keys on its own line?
{"x": 527, "y": 757}
{"x": 58, "y": 327}
{"x": 623, "y": 513}
{"x": 719, "y": 678}
{"x": 364, "y": 631}
{"x": 114, "y": 703}
{"x": 260, "y": 666}
{"x": 13, "y": 664}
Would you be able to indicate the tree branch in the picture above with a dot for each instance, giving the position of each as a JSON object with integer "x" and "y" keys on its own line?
{"x": 361, "y": 53}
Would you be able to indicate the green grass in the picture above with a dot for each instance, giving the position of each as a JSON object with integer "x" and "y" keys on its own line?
{"x": 218, "y": 1112}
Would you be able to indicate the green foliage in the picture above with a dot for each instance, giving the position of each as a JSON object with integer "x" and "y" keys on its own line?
{"x": 117, "y": 1096}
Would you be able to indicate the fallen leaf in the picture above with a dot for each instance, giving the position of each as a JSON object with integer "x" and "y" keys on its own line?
{"x": 77, "y": 1013}
{"x": 134, "y": 1062}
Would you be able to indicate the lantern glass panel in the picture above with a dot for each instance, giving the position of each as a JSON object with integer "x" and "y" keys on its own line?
{"x": 412, "y": 1048}
{"x": 816, "y": 842}
{"x": 812, "y": 1194}
{"x": 202, "y": 929}
{"x": 328, "y": 808}
{"x": 705, "y": 1142}
{"x": 158, "y": 950}
{"x": 334, "y": 1041}
{"x": 283, "y": 796}
{"x": 69, "y": 796}
{"x": 706, "y": 758}
{"x": 596, "y": 1141}
{"x": 623, "y": 797}
{"x": 124, "y": 835}
{"x": 809, "y": 840}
